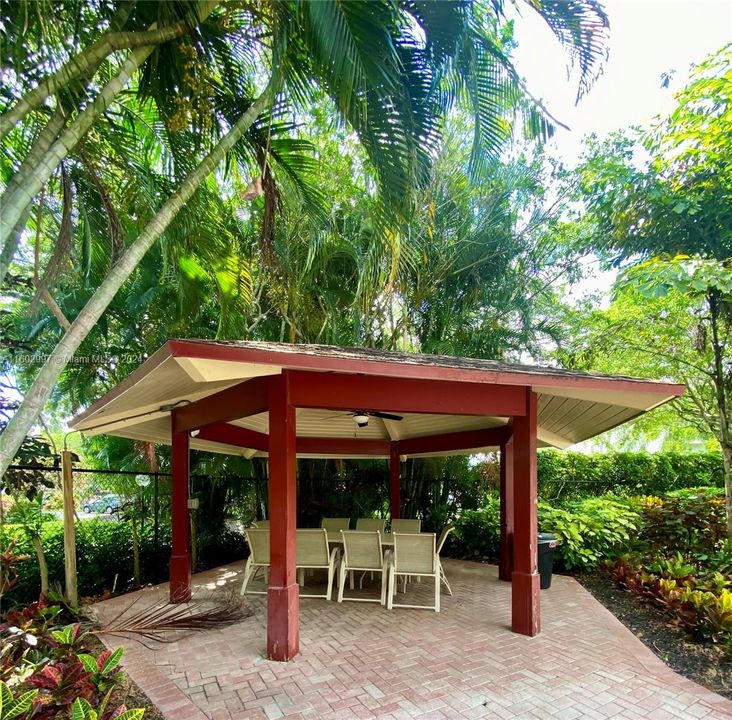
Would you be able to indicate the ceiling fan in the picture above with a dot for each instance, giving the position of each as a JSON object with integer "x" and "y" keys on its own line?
{"x": 361, "y": 417}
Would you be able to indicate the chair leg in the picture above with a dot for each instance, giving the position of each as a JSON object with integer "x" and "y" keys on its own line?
{"x": 390, "y": 590}
{"x": 342, "y": 583}
{"x": 438, "y": 582}
{"x": 247, "y": 573}
{"x": 351, "y": 580}
{"x": 443, "y": 577}
{"x": 331, "y": 572}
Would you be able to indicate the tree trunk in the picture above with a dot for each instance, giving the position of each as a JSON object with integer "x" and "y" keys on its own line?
{"x": 726, "y": 464}
{"x": 84, "y": 65}
{"x": 28, "y": 181}
{"x": 40, "y": 147}
{"x": 42, "y": 566}
{"x": 714, "y": 301}
{"x": 39, "y": 392}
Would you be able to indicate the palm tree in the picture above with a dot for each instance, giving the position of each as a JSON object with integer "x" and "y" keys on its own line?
{"x": 392, "y": 70}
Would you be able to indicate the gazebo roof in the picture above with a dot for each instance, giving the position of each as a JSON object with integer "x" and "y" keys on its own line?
{"x": 572, "y": 406}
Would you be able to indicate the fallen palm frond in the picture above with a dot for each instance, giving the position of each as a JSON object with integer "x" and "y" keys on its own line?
{"x": 164, "y": 622}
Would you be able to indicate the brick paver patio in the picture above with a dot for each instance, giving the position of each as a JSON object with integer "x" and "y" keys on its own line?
{"x": 359, "y": 660}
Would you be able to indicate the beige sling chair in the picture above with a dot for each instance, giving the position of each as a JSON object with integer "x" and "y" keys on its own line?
{"x": 440, "y": 543}
{"x": 258, "y": 541}
{"x": 312, "y": 554}
{"x": 370, "y": 524}
{"x": 413, "y": 555}
{"x": 405, "y": 525}
{"x": 362, "y": 552}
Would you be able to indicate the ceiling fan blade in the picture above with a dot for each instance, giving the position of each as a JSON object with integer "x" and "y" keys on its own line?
{"x": 386, "y": 416}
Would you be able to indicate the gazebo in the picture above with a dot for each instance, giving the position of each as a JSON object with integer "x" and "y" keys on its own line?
{"x": 282, "y": 401}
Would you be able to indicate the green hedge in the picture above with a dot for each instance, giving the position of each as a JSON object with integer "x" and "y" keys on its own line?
{"x": 563, "y": 474}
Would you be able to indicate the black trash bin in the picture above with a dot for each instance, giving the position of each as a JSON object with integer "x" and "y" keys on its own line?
{"x": 547, "y": 543}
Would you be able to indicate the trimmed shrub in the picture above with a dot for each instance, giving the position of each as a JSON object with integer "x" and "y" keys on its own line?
{"x": 566, "y": 474}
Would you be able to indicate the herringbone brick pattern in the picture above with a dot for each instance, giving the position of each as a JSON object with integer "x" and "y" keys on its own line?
{"x": 359, "y": 660}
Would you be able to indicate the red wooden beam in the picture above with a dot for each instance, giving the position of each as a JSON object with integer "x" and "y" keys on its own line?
{"x": 244, "y": 437}
{"x": 525, "y": 578}
{"x": 342, "y": 446}
{"x": 395, "y": 482}
{"x": 180, "y": 559}
{"x": 242, "y": 400}
{"x": 235, "y": 435}
{"x": 366, "y": 392}
{"x": 446, "y": 442}
{"x": 283, "y": 598}
{"x": 505, "y": 552}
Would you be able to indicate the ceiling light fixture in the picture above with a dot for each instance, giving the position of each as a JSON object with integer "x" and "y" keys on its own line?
{"x": 361, "y": 419}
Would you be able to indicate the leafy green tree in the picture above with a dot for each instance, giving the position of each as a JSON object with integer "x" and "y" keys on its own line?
{"x": 659, "y": 204}
{"x": 392, "y": 70}
{"x": 30, "y": 515}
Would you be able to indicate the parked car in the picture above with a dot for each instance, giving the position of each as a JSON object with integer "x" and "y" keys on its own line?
{"x": 105, "y": 504}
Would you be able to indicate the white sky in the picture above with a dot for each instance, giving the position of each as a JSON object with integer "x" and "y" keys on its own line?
{"x": 647, "y": 38}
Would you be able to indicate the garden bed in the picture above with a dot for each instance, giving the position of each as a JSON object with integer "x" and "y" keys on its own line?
{"x": 703, "y": 663}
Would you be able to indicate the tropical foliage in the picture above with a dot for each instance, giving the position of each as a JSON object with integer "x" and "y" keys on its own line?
{"x": 112, "y": 147}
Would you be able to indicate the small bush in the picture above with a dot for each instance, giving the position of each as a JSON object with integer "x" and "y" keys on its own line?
{"x": 693, "y": 524}
{"x": 590, "y": 531}
{"x": 477, "y": 532}
{"x": 702, "y": 606}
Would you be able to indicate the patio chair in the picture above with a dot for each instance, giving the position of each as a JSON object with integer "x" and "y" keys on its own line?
{"x": 362, "y": 551}
{"x": 405, "y": 525}
{"x": 335, "y": 524}
{"x": 370, "y": 524}
{"x": 440, "y": 542}
{"x": 413, "y": 554}
{"x": 313, "y": 553}
{"x": 261, "y": 524}
{"x": 334, "y": 527}
{"x": 258, "y": 541}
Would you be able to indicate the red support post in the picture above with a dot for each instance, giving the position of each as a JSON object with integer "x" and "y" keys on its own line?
{"x": 283, "y": 598}
{"x": 395, "y": 480}
{"x": 180, "y": 559}
{"x": 505, "y": 553}
{"x": 525, "y": 616}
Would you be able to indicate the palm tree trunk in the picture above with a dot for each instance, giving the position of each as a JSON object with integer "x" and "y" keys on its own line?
{"x": 85, "y": 65}
{"x": 40, "y": 147}
{"x": 39, "y": 392}
{"x": 29, "y": 180}
{"x": 42, "y": 566}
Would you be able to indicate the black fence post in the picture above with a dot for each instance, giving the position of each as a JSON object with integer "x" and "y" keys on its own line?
{"x": 156, "y": 515}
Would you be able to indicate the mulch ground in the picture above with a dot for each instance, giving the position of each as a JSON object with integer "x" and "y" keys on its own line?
{"x": 703, "y": 663}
